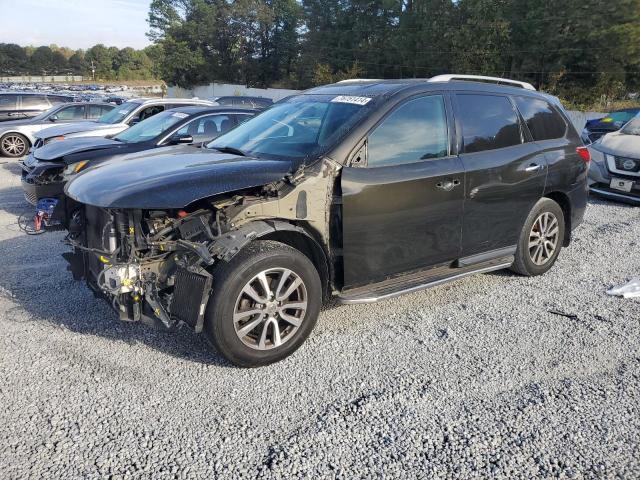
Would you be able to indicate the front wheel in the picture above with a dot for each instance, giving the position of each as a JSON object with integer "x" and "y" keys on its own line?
{"x": 541, "y": 239}
{"x": 264, "y": 304}
{"x": 14, "y": 145}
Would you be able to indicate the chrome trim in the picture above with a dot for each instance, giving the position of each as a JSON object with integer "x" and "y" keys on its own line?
{"x": 611, "y": 164}
{"x": 606, "y": 193}
{"x": 355, "y": 301}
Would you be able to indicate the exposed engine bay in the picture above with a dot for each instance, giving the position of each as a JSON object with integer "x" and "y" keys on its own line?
{"x": 157, "y": 264}
{"x": 148, "y": 263}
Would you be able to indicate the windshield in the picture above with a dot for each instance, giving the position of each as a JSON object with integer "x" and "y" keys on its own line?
{"x": 298, "y": 127}
{"x": 151, "y": 127}
{"x": 622, "y": 117}
{"x": 118, "y": 114}
{"x": 632, "y": 128}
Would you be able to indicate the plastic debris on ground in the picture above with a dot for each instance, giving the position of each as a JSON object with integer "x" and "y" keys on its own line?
{"x": 631, "y": 289}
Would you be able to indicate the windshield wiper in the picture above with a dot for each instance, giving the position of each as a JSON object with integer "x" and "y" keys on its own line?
{"x": 234, "y": 150}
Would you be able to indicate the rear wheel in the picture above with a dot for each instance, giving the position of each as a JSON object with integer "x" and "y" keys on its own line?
{"x": 264, "y": 304}
{"x": 14, "y": 145}
{"x": 541, "y": 239}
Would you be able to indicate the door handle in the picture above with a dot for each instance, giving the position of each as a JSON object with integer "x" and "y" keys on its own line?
{"x": 448, "y": 185}
{"x": 534, "y": 167}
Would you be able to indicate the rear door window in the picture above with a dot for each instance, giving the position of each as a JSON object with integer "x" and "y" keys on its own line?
{"x": 488, "y": 122}
{"x": 34, "y": 102}
{"x": 96, "y": 111}
{"x": 414, "y": 132}
{"x": 543, "y": 121}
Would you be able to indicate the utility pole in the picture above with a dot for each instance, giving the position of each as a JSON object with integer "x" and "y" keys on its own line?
{"x": 93, "y": 71}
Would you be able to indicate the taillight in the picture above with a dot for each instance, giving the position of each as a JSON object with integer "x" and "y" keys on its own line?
{"x": 584, "y": 154}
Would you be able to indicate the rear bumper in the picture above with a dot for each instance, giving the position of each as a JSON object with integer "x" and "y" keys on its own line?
{"x": 610, "y": 194}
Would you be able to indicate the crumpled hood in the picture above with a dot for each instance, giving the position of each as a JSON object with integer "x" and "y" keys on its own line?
{"x": 54, "y": 150}
{"x": 619, "y": 144}
{"x": 69, "y": 128}
{"x": 171, "y": 177}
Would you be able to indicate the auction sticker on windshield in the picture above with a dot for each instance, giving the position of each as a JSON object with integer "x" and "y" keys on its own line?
{"x": 180, "y": 115}
{"x": 350, "y": 99}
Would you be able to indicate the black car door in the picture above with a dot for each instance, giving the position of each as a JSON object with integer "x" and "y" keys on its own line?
{"x": 505, "y": 173}
{"x": 402, "y": 209}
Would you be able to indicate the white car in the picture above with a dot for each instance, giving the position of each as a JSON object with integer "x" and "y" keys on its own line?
{"x": 117, "y": 120}
{"x": 17, "y": 136}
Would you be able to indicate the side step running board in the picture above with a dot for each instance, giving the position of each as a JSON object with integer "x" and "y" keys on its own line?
{"x": 420, "y": 281}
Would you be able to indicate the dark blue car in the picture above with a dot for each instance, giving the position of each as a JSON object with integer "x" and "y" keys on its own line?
{"x": 596, "y": 128}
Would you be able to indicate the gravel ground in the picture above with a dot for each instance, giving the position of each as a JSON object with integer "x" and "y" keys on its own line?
{"x": 471, "y": 379}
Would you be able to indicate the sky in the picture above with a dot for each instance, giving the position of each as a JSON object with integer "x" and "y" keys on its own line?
{"x": 75, "y": 23}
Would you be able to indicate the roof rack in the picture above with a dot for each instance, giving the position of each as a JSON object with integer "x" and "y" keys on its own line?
{"x": 357, "y": 80}
{"x": 506, "y": 81}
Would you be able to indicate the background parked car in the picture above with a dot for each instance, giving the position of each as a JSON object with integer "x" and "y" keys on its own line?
{"x": 47, "y": 169}
{"x": 26, "y": 105}
{"x": 594, "y": 129}
{"x": 117, "y": 120}
{"x": 17, "y": 136}
{"x": 243, "y": 101}
{"x": 615, "y": 170}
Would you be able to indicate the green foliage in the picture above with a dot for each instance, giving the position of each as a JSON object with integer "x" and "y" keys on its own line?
{"x": 110, "y": 63}
{"x": 584, "y": 51}
{"x": 577, "y": 49}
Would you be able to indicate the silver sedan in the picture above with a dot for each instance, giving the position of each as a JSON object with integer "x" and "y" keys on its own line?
{"x": 17, "y": 136}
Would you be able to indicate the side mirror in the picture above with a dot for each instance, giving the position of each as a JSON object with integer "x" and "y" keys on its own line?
{"x": 133, "y": 121}
{"x": 179, "y": 139}
{"x": 53, "y": 118}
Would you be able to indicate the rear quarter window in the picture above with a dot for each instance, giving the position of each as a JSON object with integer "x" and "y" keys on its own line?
{"x": 543, "y": 121}
{"x": 488, "y": 122}
{"x": 34, "y": 101}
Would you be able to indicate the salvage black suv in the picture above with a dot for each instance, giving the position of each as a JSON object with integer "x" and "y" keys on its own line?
{"x": 361, "y": 190}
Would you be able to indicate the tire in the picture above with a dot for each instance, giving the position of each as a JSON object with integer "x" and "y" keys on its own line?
{"x": 14, "y": 145}
{"x": 250, "y": 339}
{"x": 534, "y": 253}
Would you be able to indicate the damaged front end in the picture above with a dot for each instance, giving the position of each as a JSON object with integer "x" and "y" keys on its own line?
{"x": 148, "y": 264}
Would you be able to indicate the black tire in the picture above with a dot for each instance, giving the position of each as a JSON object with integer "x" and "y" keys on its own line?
{"x": 228, "y": 283}
{"x": 524, "y": 264}
{"x": 14, "y": 145}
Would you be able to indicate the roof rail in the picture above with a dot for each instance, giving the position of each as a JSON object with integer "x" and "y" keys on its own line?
{"x": 507, "y": 81}
{"x": 356, "y": 80}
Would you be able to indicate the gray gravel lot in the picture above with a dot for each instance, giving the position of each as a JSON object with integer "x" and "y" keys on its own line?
{"x": 471, "y": 379}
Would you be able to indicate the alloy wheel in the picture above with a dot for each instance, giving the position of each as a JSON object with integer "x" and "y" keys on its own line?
{"x": 543, "y": 238}
{"x": 14, "y": 145}
{"x": 270, "y": 309}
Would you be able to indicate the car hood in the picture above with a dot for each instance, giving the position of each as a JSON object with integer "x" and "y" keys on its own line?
{"x": 171, "y": 177}
{"x": 55, "y": 150}
{"x": 619, "y": 144}
{"x": 69, "y": 128}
